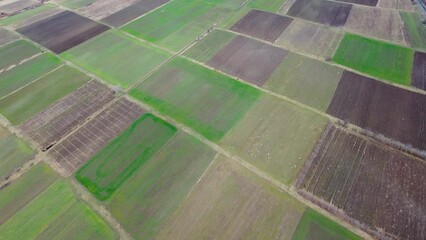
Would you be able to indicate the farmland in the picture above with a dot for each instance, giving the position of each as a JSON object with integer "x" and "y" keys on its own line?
{"x": 7, "y": 36}
{"x": 419, "y": 68}
{"x": 378, "y": 59}
{"x": 415, "y": 30}
{"x": 13, "y": 53}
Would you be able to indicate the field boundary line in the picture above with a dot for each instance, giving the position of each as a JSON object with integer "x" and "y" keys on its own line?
{"x": 4, "y": 44}
{"x": 3, "y": 70}
{"x": 34, "y": 81}
{"x": 17, "y": 173}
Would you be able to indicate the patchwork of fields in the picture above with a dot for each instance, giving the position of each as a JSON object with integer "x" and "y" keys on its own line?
{"x": 212, "y": 119}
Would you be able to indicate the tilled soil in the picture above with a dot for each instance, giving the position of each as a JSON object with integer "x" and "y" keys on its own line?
{"x": 418, "y": 76}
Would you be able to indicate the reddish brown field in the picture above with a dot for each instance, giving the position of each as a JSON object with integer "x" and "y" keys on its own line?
{"x": 50, "y": 125}
{"x": 384, "y": 109}
{"x": 129, "y": 13}
{"x": 262, "y": 25}
{"x": 418, "y": 76}
{"x": 248, "y": 59}
{"x": 80, "y": 146}
{"x": 62, "y": 31}
{"x": 377, "y": 187}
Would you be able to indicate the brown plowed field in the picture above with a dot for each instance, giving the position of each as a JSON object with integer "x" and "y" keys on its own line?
{"x": 418, "y": 77}
{"x": 263, "y": 25}
{"x": 248, "y": 59}
{"x": 384, "y": 109}
{"x": 372, "y": 183}
{"x": 129, "y": 13}
{"x": 80, "y": 146}
{"x": 320, "y": 11}
{"x": 62, "y": 31}
{"x": 50, "y": 125}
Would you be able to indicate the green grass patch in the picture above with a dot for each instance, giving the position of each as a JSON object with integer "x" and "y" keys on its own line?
{"x": 415, "y": 28}
{"x": 74, "y": 4}
{"x": 267, "y": 5}
{"x": 144, "y": 204}
{"x": 379, "y": 59}
{"x": 7, "y": 36}
{"x": 23, "y": 190}
{"x": 38, "y": 95}
{"x": 15, "y": 19}
{"x": 121, "y": 158}
{"x": 79, "y": 222}
{"x": 116, "y": 58}
{"x": 314, "y": 226}
{"x": 27, "y": 72}
{"x": 204, "y": 50}
{"x": 200, "y": 98}
{"x": 15, "y": 52}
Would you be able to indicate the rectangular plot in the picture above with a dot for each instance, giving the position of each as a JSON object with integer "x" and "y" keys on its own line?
{"x": 17, "y": 6}
{"x": 7, "y": 36}
{"x": 131, "y": 12}
{"x": 62, "y": 31}
{"x": 263, "y": 25}
{"x": 384, "y": 109}
{"x": 376, "y": 185}
{"x": 418, "y": 75}
{"x": 99, "y": 9}
{"x": 94, "y": 135}
{"x": 371, "y": 3}
{"x": 415, "y": 29}
{"x": 320, "y": 11}
{"x": 13, "y": 53}
{"x": 397, "y": 4}
{"x": 248, "y": 59}
{"x": 53, "y": 123}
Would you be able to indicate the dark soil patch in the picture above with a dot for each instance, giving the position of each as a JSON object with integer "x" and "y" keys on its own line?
{"x": 62, "y": 31}
{"x": 384, "y": 109}
{"x": 248, "y": 59}
{"x": 263, "y": 25}
{"x": 126, "y": 15}
{"x": 379, "y": 187}
{"x": 372, "y": 3}
{"x": 418, "y": 76}
{"x": 80, "y": 146}
{"x": 321, "y": 11}
{"x": 50, "y": 125}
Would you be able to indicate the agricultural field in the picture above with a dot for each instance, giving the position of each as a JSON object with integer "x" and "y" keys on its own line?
{"x": 13, "y": 153}
{"x": 30, "y": 16}
{"x": 262, "y": 138}
{"x": 348, "y": 172}
{"x": 100, "y": 55}
{"x": 378, "y": 23}
{"x": 310, "y": 39}
{"x": 415, "y": 30}
{"x": 145, "y": 203}
{"x": 62, "y": 214}
{"x": 7, "y": 36}
{"x": 266, "y": 5}
{"x": 418, "y": 75}
{"x": 379, "y": 59}
{"x": 13, "y": 53}
{"x": 14, "y": 7}
{"x": 216, "y": 104}
{"x": 396, "y": 4}
{"x": 119, "y": 160}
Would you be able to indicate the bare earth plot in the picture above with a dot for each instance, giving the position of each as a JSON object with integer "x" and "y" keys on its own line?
{"x": 371, "y": 3}
{"x": 13, "y": 153}
{"x": 131, "y": 12}
{"x": 103, "y": 8}
{"x": 14, "y": 7}
{"x": 50, "y": 125}
{"x": 15, "y": 52}
{"x": 262, "y": 25}
{"x": 216, "y": 102}
{"x": 380, "y": 23}
{"x": 372, "y": 183}
{"x": 384, "y": 109}
{"x": 311, "y": 39}
{"x": 62, "y": 31}
{"x": 419, "y": 71}
{"x": 80, "y": 146}
{"x": 145, "y": 203}
{"x": 248, "y": 59}
{"x": 321, "y": 11}
{"x": 7, "y": 36}
{"x": 305, "y": 80}
{"x": 396, "y": 4}
{"x": 276, "y": 137}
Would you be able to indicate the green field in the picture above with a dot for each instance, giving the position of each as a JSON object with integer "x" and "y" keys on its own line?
{"x": 146, "y": 201}
{"x": 179, "y": 23}
{"x": 216, "y": 102}
{"x": 116, "y": 58}
{"x": 314, "y": 226}
{"x": 275, "y": 136}
{"x": 38, "y": 95}
{"x": 74, "y": 4}
{"x": 16, "y": 19}
{"x": 231, "y": 202}
{"x": 204, "y": 50}
{"x": 305, "y": 80}
{"x": 7, "y": 36}
{"x": 379, "y": 59}
{"x": 14, "y": 52}
{"x": 13, "y": 152}
{"x": 415, "y": 29}
{"x": 120, "y": 159}
{"x": 27, "y": 72}
{"x": 266, "y": 5}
